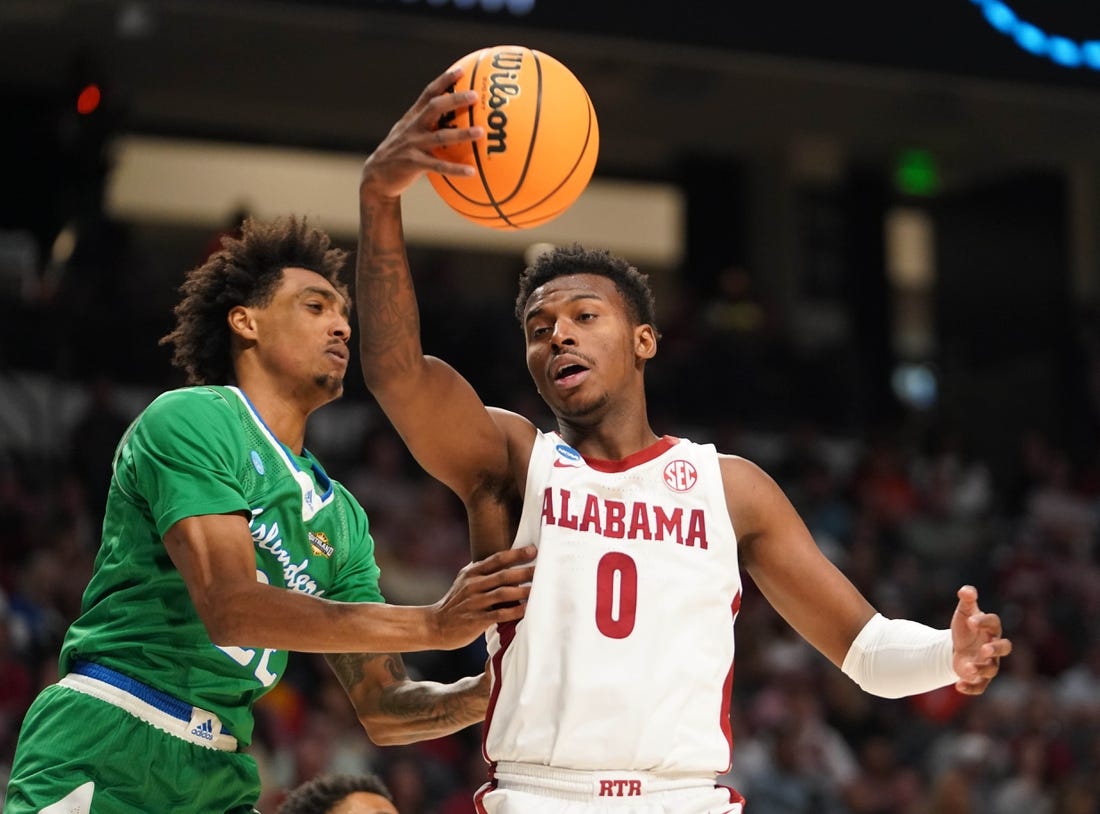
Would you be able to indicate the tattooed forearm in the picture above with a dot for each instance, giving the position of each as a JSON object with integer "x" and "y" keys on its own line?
{"x": 394, "y": 709}
{"x": 432, "y": 706}
{"x": 387, "y": 310}
{"x": 389, "y": 322}
{"x": 350, "y": 668}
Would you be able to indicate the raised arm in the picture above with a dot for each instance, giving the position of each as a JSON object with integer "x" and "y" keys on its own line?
{"x": 393, "y": 709}
{"x": 216, "y": 557}
{"x": 436, "y": 411}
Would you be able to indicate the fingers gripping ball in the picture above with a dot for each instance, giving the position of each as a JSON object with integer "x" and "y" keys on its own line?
{"x": 540, "y": 145}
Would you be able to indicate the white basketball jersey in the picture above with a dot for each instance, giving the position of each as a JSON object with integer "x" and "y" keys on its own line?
{"x": 624, "y": 658}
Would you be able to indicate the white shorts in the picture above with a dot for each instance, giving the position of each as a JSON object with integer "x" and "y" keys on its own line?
{"x": 526, "y": 789}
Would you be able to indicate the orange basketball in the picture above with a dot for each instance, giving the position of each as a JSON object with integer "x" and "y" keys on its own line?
{"x": 540, "y": 145}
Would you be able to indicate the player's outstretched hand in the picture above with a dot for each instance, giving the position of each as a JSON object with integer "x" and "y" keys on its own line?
{"x": 406, "y": 152}
{"x": 977, "y": 643}
{"x": 489, "y": 591}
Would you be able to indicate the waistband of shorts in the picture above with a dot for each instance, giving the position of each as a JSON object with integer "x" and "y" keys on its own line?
{"x": 156, "y": 708}
{"x": 571, "y": 784}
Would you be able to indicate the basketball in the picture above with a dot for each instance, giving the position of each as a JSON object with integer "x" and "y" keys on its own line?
{"x": 540, "y": 145}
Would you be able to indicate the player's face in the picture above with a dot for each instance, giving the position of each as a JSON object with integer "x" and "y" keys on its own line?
{"x": 582, "y": 346}
{"x": 364, "y": 802}
{"x": 303, "y": 333}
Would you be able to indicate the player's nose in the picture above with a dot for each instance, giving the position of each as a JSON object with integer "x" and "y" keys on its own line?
{"x": 563, "y": 334}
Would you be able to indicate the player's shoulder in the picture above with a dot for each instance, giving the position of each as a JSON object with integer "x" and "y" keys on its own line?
{"x": 516, "y": 429}
{"x": 739, "y": 470}
{"x": 196, "y": 397}
{"x": 190, "y": 406}
{"x": 346, "y": 495}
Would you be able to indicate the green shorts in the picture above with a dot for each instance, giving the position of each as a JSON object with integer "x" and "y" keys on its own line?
{"x": 100, "y": 759}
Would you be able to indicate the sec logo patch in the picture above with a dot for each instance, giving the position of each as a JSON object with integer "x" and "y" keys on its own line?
{"x": 680, "y": 475}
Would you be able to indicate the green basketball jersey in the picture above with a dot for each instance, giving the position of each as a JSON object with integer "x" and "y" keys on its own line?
{"x": 199, "y": 451}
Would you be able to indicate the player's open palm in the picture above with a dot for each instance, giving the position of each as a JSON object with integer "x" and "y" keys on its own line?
{"x": 486, "y": 592}
{"x": 977, "y": 643}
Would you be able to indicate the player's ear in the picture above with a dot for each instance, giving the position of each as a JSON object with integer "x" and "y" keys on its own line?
{"x": 241, "y": 322}
{"x": 645, "y": 342}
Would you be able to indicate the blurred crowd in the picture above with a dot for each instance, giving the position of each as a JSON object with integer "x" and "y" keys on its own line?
{"x": 908, "y": 525}
{"x": 906, "y": 508}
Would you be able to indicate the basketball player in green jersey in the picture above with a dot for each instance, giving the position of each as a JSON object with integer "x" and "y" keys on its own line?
{"x": 225, "y": 545}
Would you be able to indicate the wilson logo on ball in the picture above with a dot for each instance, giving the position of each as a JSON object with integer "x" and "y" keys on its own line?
{"x": 541, "y": 139}
{"x": 508, "y": 65}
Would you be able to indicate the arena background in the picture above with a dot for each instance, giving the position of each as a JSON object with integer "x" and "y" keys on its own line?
{"x": 872, "y": 230}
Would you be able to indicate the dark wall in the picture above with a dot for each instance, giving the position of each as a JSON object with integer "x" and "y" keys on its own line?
{"x": 1003, "y": 311}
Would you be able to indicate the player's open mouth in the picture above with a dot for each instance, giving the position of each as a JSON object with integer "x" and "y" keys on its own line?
{"x": 569, "y": 370}
{"x": 570, "y": 375}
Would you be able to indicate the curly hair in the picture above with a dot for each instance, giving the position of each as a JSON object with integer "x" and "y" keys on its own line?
{"x": 321, "y": 794}
{"x": 563, "y": 261}
{"x": 246, "y": 271}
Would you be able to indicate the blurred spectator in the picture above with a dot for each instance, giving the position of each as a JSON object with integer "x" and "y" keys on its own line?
{"x": 883, "y": 785}
{"x": 882, "y": 484}
{"x": 962, "y": 785}
{"x": 1051, "y": 642}
{"x": 1078, "y": 687}
{"x": 1065, "y": 518}
{"x": 1025, "y": 788}
{"x": 407, "y": 780}
{"x": 474, "y": 774}
{"x": 1079, "y": 794}
{"x": 751, "y": 753}
{"x": 951, "y": 480}
{"x": 37, "y": 624}
{"x": 20, "y": 510}
{"x": 1009, "y": 696}
{"x": 815, "y": 491}
{"x": 1042, "y": 725}
{"x": 785, "y": 785}
{"x": 93, "y": 440}
{"x": 17, "y": 686}
{"x": 821, "y": 750}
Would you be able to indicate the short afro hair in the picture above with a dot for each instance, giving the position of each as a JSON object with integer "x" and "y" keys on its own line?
{"x": 321, "y": 794}
{"x": 563, "y": 261}
{"x": 246, "y": 271}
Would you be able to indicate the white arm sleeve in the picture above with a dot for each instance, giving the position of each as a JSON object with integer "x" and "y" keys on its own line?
{"x": 893, "y": 658}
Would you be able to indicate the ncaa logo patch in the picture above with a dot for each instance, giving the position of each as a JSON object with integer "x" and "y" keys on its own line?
{"x": 257, "y": 462}
{"x": 680, "y": 475}
{"x": 567, "y": 456}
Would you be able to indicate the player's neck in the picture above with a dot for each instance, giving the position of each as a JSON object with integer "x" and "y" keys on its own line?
{"x": 283, "y": 415}
{"x": 607, "y": 440}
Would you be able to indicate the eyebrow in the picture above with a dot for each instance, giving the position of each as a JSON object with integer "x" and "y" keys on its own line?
{"x": 584, "y": 295}
{"x": 325, "y": 294}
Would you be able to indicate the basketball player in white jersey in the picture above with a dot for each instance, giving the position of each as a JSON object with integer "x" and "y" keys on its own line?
{"x": 611, "y": 694}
